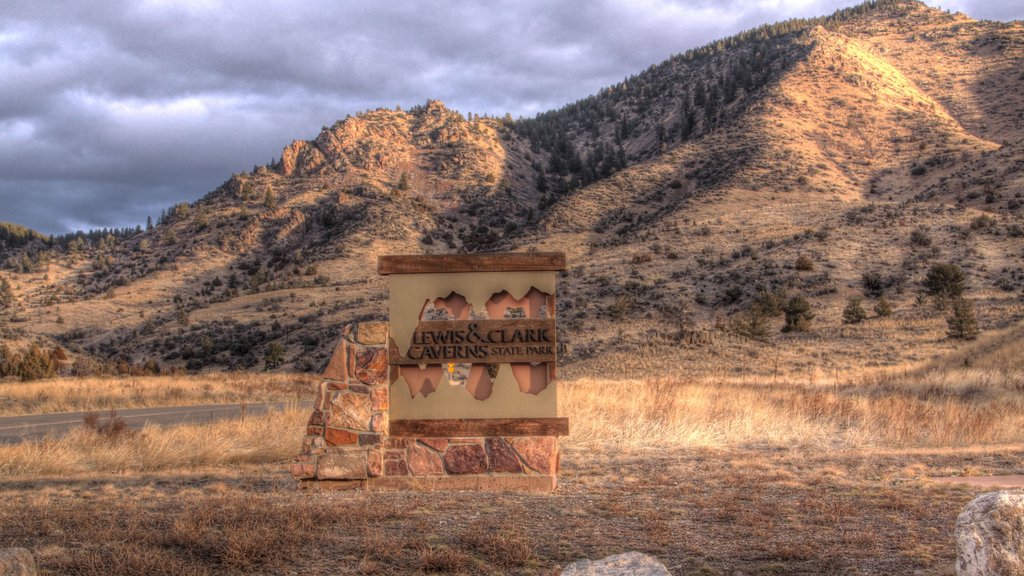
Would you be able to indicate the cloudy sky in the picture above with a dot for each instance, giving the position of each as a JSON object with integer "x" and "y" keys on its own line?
{"x": 111, "y": 111}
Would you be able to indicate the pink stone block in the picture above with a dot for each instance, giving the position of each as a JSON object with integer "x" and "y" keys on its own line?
{"x": 317, "y": 418}
{"x": 379, "y": 399}
{"x": 335, "y": 437}
{"x": 439, "y": 444}
{"x": 343, "y": 465}
{"x": 537, "y": 452}
{"x": 424, "y": 462}
{"x": 375, "y": 370}
{"x": 379, "y": 422}
{"x": 465, "y": 459}
{"x": 395, "y": 464}
{"x": 303, "y": 467}
{"x": 502, "y": 458}
{"x": 370, "y": 439}
{"x": 375, "y": 463}
{"x": 342, "y": 364}
{"x": 350, "y": 410}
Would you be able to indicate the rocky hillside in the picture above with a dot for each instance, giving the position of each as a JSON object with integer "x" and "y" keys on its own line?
{"x": 838, "y": 157}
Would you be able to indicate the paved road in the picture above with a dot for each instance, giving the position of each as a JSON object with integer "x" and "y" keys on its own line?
{"x": 16, "y": 429}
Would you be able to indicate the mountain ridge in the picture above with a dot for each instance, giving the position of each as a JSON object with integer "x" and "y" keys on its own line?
{"x": 682, "y": 196}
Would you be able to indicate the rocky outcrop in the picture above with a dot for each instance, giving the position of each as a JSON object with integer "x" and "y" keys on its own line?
{"x": 630, "y": 563}
{"x": 990, "y": 536}
{"x": 383, "y": 142}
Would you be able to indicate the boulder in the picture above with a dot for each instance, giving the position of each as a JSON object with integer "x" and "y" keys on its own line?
{"x": 17, "y": 562}
{"x": 630, "y": 563}
{"x": 989, "y": 536}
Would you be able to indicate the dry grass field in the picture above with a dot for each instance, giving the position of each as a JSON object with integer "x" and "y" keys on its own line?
{"x": 101, "y": 394}
{"x": 713, "y": 475}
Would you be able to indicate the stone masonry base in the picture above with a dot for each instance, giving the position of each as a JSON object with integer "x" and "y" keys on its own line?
{"x": 347, "y": 443}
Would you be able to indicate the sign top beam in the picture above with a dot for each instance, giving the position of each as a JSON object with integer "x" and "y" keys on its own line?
{"x": 451, "y": 263}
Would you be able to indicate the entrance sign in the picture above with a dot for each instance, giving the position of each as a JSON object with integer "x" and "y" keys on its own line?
{"x": 456, "y": 391}
{"x": 472, "y": 336}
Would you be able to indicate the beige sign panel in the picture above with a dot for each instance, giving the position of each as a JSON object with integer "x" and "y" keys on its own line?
{"x": 469, "y": 343}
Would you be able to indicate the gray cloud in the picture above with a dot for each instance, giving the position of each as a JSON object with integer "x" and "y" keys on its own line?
{"x": 111, "y": 111}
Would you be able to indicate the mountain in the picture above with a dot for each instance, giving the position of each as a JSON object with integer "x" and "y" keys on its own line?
{"x": 826, "y": 158}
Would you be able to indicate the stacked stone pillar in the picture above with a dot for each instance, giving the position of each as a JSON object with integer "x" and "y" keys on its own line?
{"x": 345, "y": 433}
{"x": 347, "y": 442}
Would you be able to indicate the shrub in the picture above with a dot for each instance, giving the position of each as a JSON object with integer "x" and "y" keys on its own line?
{"x": 798, "y": 315}
{"x": 751, "y": 324}
{"x": 111, "y": 427}
{"x": 9, "y": 361}
{"x": 983, "y": 222}
{"x": 274, "y": 356}
{"x": 873, "y": 282}
{"x": 920, "y": 238}
{"x": 854, "y": 311}
{"x": 883, "y": 307}
{"x": 37, "y": 364}
{"x": 772, "y": 303}
{"x": 963, "y": 323}
{"x": 6, "y": 293}
{"x": 945, "y": 282}
{"x": 804, "y": 262}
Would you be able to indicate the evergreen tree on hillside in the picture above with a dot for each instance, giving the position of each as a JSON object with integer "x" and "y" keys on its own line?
{"x": 798, "y": 315}
{"x": 6, "y": 294}
{"x": 945, "y": 283}
{"x": 854, "y": 312}
{"x": 963, "y": 323}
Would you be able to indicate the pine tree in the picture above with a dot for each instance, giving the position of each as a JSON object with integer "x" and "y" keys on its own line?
{"x": 854, "y": 312}
{"x": 36, "y": 364}
{"x": 883, "y": 307}
{"x": 274, "y": 356}
{"x": 798, "y": 315}
{"x": 963, "y": 324}
{"x": 6, "y": 293}
{"x": 945, "y": 282}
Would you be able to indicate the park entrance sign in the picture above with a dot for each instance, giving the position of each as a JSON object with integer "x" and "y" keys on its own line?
{"x": 458, "y": 390}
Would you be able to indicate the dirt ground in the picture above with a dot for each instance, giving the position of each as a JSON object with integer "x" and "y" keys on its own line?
{"x": 752, "y": 510}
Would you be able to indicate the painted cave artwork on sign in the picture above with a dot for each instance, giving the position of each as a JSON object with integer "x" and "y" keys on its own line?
{"x": 472, "y": 336}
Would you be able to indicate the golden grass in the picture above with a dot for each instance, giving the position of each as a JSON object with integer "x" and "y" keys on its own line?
{"x": 101, "y": 394}
{"x": 267, "y": 438}
{"x": 941, "y": 408}
{"x": 849, "y": 495}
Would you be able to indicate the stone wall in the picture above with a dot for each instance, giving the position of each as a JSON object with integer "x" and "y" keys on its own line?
{"x": 347, "y": 444}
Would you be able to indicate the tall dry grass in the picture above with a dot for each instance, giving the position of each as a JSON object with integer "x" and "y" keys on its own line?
{"x": 941, "y": 408}
{"x": 100, "y": 394}
{"x": 267, "y": 438}
{"x": 945, "y": 407}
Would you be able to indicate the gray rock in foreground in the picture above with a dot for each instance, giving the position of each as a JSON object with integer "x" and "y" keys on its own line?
{"x": 17, "y": 562}
{"x": 630, "y": 563}
{"x": 990, "y": 536}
